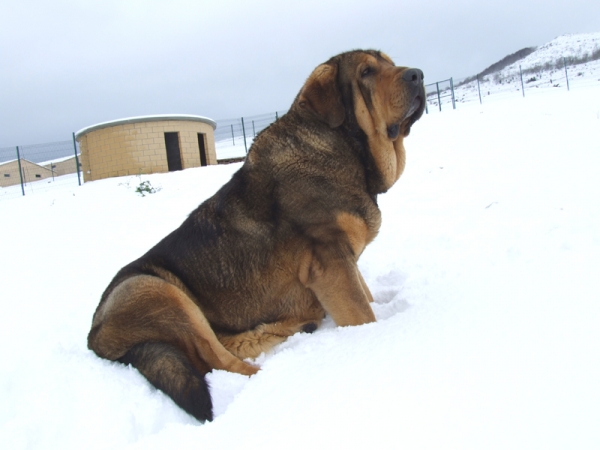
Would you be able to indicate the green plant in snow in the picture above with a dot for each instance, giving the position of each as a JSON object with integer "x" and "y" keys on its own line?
{"x": 145, "y": 188}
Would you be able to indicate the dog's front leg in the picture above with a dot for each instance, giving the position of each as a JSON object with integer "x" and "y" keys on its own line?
{"x": 332, "y": 274}
{"x": 364, "y": 286}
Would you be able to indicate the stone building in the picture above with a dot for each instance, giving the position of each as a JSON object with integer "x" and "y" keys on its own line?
{"x": 30, "y": 171}
{"x": 146, "y": 144}
{"x": 62, "y": 166}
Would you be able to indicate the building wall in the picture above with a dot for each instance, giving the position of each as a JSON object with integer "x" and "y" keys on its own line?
{"x": 135, "y": 148}
{"x": 63, "y": 167}
{"x": 9, "y": 173}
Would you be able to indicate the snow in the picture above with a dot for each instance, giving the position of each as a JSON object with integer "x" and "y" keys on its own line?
{"x": 229, "y": 148}
{"x": 486, "y": 287}
{"x": 537, "y": 79}
{"x": 565, "y": 46}
{"x": 57, "y": 160}
{"x": 70, "y": 182}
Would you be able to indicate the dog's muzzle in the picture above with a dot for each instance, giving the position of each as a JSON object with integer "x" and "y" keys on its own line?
{"x": 414, "y": 79}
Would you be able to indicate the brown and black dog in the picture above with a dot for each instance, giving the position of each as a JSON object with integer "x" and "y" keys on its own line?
{"x": 276, "y": 248}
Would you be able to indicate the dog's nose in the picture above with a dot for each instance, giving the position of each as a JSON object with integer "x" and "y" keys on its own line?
{"x": 413, "y": 75}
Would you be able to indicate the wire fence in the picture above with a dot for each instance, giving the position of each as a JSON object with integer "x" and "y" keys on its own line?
{"x": 516, "y": 80}
{"x": 438, "y": 92}
{"x": 37, "y": 168}
{"x": 233, "y": 137}
{"x": 28, "y": 169}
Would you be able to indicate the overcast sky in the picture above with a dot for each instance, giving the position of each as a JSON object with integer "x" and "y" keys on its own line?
{"x": 65, "y": 65}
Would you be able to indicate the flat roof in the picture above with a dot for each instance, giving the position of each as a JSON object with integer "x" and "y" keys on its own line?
{"x": 137, "y": 119}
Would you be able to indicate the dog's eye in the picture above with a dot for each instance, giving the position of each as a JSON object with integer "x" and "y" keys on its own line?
{"x": 366, "y": 72}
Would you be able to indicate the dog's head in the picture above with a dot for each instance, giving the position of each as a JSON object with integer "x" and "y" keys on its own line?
{"x": 366, "y": 88}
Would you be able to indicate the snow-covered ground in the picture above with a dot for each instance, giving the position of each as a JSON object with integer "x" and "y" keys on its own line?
{"x": 229, "y": 148}
{"x": 486, "y": 286}
{"x": 45, "y": 185}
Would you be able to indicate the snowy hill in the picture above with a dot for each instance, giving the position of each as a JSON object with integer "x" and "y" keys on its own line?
{"x": 542, "y": 69}
{"x": 575, "y": 48}
{"x": 486, "y": 287}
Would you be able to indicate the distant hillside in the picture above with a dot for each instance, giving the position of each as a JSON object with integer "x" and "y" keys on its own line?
{"x": 508, "y": 60}
{"x": 574, "y": 48}
{"x": 568, "y": 61}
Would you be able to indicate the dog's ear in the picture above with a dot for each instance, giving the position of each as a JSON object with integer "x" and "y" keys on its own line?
{"x": 321, "y": 96}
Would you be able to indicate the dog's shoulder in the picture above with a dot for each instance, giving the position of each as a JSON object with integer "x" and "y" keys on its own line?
{"x": 309, "y": 173}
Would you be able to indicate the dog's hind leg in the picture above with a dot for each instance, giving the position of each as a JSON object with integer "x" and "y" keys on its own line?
{"x": 144, "y": 309}
{"x": 169, "y": 369}
{"x": 261, "y": 339}
{"x": 155, "y": 326}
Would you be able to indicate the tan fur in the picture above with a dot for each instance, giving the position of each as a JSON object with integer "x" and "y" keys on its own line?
{"x": 365, "y": 287}
{"x": 334, "y": 278}
{"x": 263, "y": 338}
{"x": 145, "y": 308}
{"x": 386, "y": 57}
{"x": 358, "y": 233}
{"x": 389, "y": 154}
{"x": 388, "y": 157}
{"x": 320, "y": 96}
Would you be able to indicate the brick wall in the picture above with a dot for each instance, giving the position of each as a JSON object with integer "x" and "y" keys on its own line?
{"x": 9, "y": 173}
{"x": 134, "y": 148}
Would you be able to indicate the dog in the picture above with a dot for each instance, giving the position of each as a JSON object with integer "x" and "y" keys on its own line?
{"x": 276, "y": 248}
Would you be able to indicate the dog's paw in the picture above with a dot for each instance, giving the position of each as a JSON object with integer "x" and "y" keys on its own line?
{"x": 309, "y": 327}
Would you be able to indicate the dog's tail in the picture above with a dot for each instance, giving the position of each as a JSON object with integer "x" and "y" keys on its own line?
{"x": 168, "y": 369}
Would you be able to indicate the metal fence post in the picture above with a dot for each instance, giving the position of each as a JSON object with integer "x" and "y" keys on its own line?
{"x": 479, "y": 90}
{"x": 452, "y": 89}
{"x": 522, "y": 85}
{"x": 20, "y": 170}
{"x": 253, "y": 129}
{"x": 76, "y": 159}
{"x": 437, "y": 85}
{"x": 276, "y": 116}
{"x": 244, "y": 132}
{"x": 566, "y": 73}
